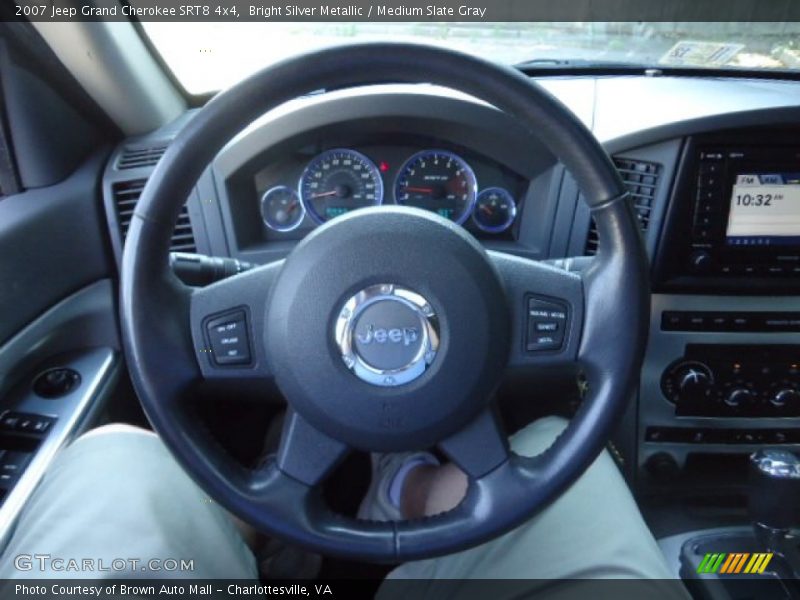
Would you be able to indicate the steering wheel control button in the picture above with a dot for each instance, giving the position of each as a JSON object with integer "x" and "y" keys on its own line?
{"x": 387, "y": 334}
{"x": 228, "y": 338}
{"x": 546, "y": 324}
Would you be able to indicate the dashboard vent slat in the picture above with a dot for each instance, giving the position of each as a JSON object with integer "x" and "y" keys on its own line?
{"x": 126, "y": 194}
{"x": 641, "y": 179}
{"x": 133, "y": 157}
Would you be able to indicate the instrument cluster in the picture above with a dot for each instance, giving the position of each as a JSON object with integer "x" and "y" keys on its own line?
{"x": 477, "y": 194}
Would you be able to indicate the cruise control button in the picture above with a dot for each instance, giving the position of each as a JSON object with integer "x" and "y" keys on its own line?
{"x": 228, "y": 335}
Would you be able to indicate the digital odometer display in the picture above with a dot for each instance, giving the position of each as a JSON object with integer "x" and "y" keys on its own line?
{"x": 765, "y": 210}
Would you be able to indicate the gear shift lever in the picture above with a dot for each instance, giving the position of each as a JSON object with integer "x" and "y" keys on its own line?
{"x": 774, "y": 497}
{"x": 774, "y": 502}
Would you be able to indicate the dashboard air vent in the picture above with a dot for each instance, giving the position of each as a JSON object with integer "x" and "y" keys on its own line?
{"x": 135, "y": 157}
{"x": 641, "y": 179}
{"x": 126, "y": 194}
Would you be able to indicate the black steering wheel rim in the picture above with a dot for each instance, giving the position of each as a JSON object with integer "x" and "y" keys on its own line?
{"x": 611, "y": 309}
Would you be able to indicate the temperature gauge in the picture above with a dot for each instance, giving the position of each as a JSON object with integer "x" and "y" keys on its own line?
{"x": 281, "y": 208}
{"x": 495, "y": 210}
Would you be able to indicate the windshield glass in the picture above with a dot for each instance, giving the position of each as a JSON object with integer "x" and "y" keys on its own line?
{"x": 207, "y": 57}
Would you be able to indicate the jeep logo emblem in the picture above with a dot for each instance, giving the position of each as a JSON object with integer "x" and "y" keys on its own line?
{"x": 387, "y": 335}
{"x": 405, "y": 336}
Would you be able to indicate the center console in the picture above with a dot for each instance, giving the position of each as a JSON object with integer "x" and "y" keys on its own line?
{"x": 721, "y": 377}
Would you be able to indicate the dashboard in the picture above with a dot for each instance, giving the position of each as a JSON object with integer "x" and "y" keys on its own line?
{"x": 311, "y": 185}
{"x": 713, "y": 168}
{"x": 466, "y": 161}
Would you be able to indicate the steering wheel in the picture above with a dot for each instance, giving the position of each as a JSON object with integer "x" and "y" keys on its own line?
{"x": 388, "y": 328}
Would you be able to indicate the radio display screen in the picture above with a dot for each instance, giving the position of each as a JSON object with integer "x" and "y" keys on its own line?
{"x": 765, "y": 210}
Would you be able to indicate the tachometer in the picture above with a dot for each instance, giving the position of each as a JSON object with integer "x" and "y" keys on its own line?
{"x": 438, "y": 181}
{"x": 338, "y": 181}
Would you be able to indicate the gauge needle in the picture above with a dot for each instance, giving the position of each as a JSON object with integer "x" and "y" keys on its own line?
{"x": 420, "y": 190}
{"x": 486, "y": 209}
{"x": 324, "y": 194}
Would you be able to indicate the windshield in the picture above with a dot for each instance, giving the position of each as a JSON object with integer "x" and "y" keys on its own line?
{"x": 206, "y": 57}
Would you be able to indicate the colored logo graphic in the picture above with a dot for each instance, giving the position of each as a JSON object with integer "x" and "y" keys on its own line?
{"x": 735, "y": 563}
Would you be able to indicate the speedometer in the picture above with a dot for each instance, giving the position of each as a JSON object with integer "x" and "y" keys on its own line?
{"x": 438, "y": 181}
{"x": 338, "y": 181}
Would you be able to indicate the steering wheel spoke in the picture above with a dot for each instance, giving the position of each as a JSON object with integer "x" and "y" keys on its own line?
{"x": 547, "y": 306}
{"x": 480, "y": 447}
{"x": 305, "y": 453}
{"x": 227, "y": 323}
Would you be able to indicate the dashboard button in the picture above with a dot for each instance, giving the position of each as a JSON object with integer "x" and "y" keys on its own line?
{"x": 708, "y": 181}
{"x": 12, "y": 466}
{"x": 741, "y": 322}
{"x": 708, "y": 201}
{"x": 10, "y": 421}
{"x": 719, "y": 322}
{"x": 701, "y": 233}
{"x": 710, "y": 168}
{"x": 697, "y": 321}
{"x": 703, "y": 220}
{"x": 672, "y": 320}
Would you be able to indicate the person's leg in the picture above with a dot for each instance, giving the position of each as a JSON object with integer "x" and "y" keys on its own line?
{"x": 593, "y": 531}
{"x": 117, "y": 493}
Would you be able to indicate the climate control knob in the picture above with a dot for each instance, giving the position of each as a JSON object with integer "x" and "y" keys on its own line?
{"x": 784, "y": 397}
{"x": 739, "y": 397}
{"x": 694, "y": 380}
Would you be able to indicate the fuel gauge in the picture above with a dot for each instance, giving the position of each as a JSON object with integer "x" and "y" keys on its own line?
{"x": 495, "y": 210}
{"x": 281, "y": 208}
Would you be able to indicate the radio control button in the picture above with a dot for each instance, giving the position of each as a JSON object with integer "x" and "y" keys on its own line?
{"x": 708, "y": 181}
{"x": 708, "y": 201}
{"x": 703, "y": 220}
{"x": 701, "y": 234}
{"x": 701, "y": 261}
{"x": 710, "y": 168}
{"x": 546, "y": 325}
